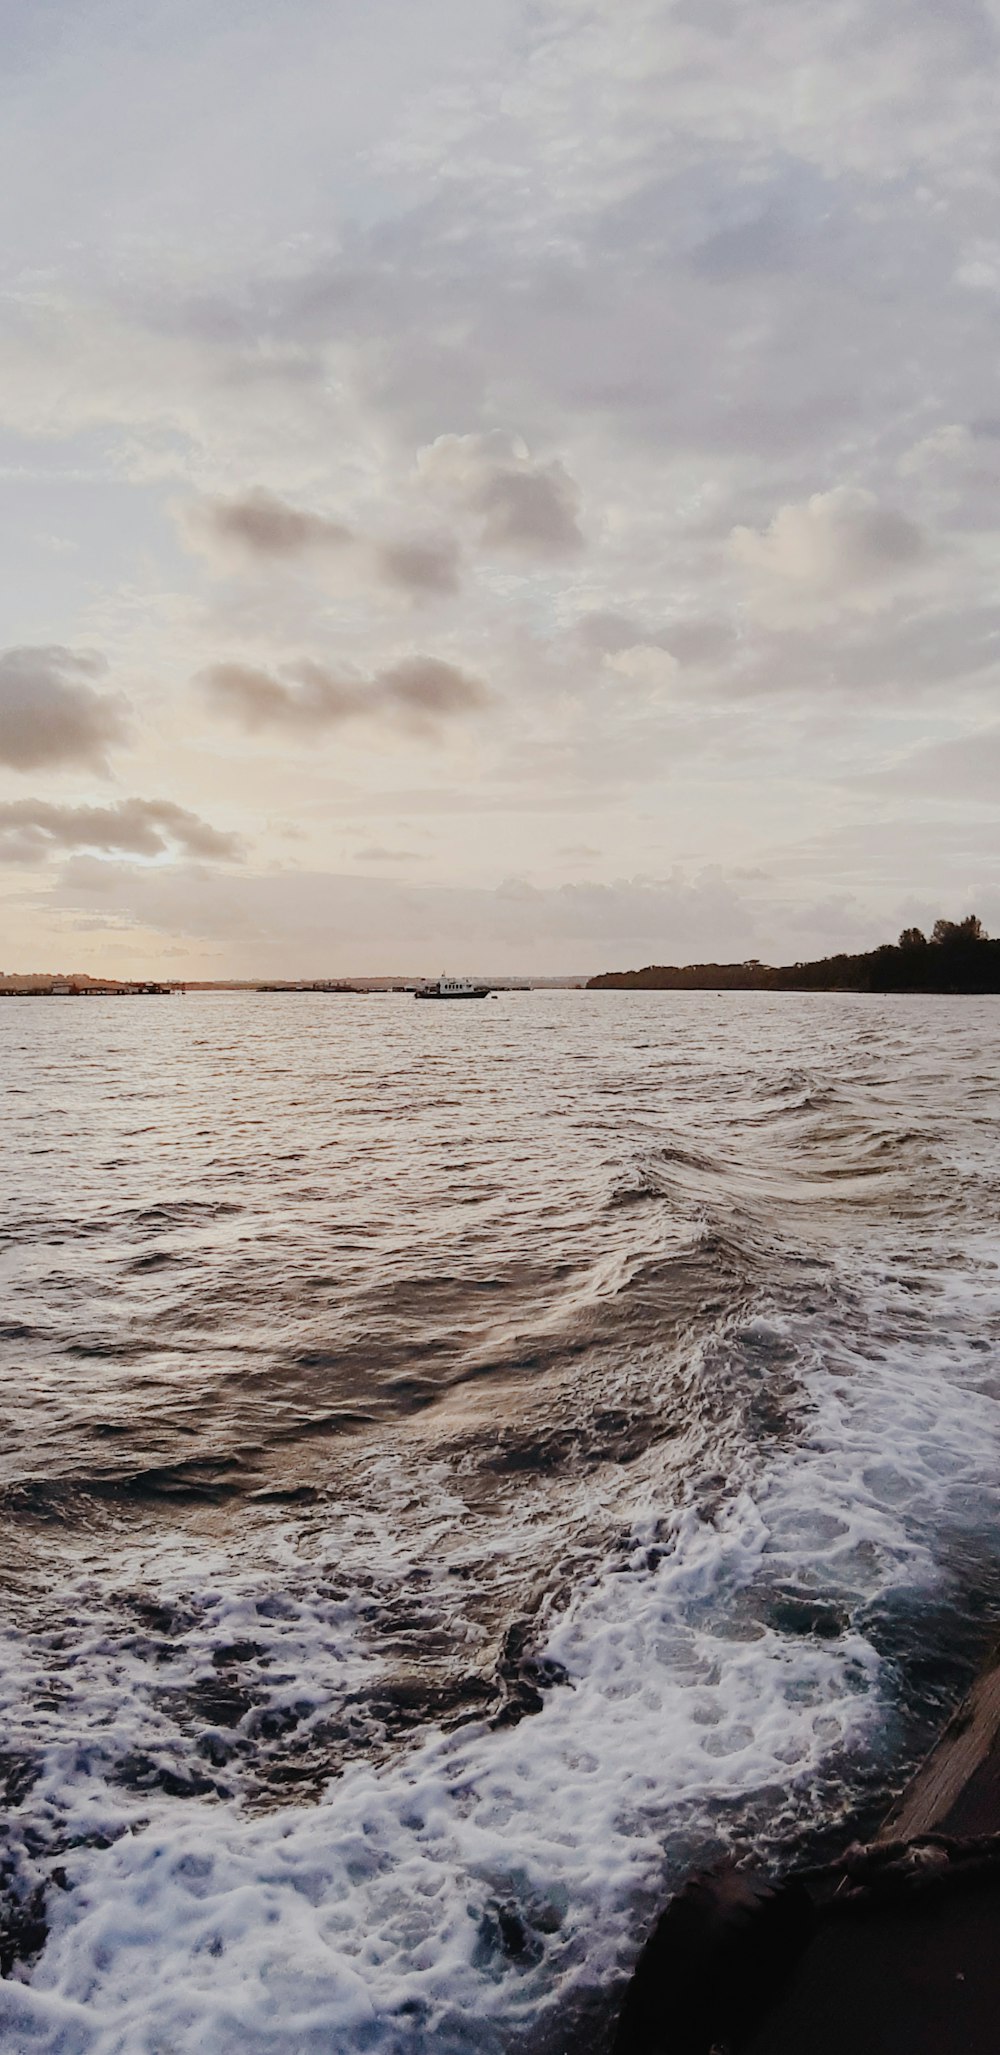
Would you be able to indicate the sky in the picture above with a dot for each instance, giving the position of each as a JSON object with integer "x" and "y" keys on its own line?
{"x": 507, "y": 487}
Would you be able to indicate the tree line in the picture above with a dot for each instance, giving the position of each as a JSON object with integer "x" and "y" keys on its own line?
{"x": 957, "y": 956}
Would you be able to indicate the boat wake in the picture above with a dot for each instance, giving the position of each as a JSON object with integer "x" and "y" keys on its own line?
{"x": 343, "y": 1714}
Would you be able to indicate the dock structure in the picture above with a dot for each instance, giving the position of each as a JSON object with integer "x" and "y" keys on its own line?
{"x": 61, "y": 989}
{"x": 337, "y": 985}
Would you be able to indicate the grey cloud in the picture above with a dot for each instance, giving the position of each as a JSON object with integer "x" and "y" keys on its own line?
{"x": 514, "y": 280}
{"x": 306, "y": 920}
{"x": 962, "y": 767}
{"x": 534, "y": 511}
{"x": 523, "y": 505}
{"x": 668, "y": 257}
{"x": 608, "y": 632}
{"x": 901, "y": 657}
{"x": 304, "y": 923}
{"x": 376, "y": 854}
{"x": 425, "y": 685}
{"x": 419, "y": 567}
{"x": 51, "y": 715}
{"x": 259, "y": 525}
{"x": 309, "y": 697}
{"x": 955, "y": 470}
{"x": 702, "y": 640}
{"x": 690, "y": 640}
{"x": 33, "y": 829}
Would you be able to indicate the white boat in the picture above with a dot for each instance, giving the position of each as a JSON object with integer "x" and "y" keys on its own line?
{"x": 452, "y": 988}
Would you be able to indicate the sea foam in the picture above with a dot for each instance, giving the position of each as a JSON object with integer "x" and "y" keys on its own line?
{"x": 482, "y": 1885}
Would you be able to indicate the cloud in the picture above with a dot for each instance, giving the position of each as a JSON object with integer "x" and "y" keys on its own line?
{"x": 50, "y": 715}
{"x": 419, "y": 567}
{"x": 962, "y": 767}
{"x": 644, "y": 664}
{"x": 949, "y": 447}
{"x": 839, "y": 549}
{"x": 257, "y": 528}
{"x": 522, "y": 505}
{"x": 32, "y": 830}
{"x": 608, "y": 632}
{"x": 425, "y": 685}
{"x": 375, "y": 853}
{"x": 261, "y": 526}
{"x": 309, "y": 697}
{"x": 687, "y": 640}
{"x": 679, "y": 260}
{"x": 301, "y": 922}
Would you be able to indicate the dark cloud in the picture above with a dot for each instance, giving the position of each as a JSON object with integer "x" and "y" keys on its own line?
{"x": 257, "y": 528}
{"x": 307, "y": 696}
{"x": 534, "y": 511}
{"x": 522, "y": 504}
{"x": 33, "y": 829}
{"x": 261, "y": 526}
{"x": 51, "y": 715}
{"x": 425, "y": 685}
{"x": 419, "y": 567}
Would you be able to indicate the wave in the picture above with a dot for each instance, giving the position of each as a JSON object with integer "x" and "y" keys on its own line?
{"x": 475, "y": 1521}
{"x": 717, "y": 1678}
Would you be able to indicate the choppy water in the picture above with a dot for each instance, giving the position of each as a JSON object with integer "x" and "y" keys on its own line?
{"x": 460, "y": 1465}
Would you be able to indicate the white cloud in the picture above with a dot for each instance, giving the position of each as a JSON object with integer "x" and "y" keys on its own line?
{"x": 949, "y": 446}
{"x": 837, "y": 550}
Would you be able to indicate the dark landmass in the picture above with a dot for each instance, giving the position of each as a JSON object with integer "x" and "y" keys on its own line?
{"x": 892, "y": 1950}
{"x": 958, "y": 957}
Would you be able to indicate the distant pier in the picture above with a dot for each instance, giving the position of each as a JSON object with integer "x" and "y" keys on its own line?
{"x": 89, "y": 991}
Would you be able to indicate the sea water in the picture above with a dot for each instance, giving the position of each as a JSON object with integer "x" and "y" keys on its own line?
{"x": 461, "y": 1467}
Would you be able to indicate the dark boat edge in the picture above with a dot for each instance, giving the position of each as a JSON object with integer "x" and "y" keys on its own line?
{"x": 891, "y": 1950}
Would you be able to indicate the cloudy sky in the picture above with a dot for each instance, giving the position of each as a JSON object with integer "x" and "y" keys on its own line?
{"x": 504, "y": 486}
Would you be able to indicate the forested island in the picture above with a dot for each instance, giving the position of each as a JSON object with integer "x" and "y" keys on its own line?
{"x": 958, "y": 956}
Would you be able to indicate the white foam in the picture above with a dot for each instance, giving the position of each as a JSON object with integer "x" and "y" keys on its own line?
{"x": 370, "y": 1921}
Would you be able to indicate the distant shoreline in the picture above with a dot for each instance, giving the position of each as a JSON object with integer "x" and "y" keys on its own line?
{"x": 959, "y": 957}
{"x": 82, "y": 986}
